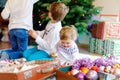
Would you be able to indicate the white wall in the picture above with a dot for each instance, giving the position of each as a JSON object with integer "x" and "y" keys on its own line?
{"x": 108, "y": 6}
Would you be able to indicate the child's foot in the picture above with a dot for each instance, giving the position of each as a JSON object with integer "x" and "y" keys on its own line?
{"x": 0, "y": 53}
{"x": 4, "y": 56}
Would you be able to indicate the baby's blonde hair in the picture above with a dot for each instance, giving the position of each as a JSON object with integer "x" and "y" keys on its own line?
{"x": 58, "y": 10}
{"x": 68, "y": 32}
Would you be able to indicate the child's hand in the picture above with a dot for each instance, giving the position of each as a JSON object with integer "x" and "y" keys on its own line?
{"x": 33, "y": 33}
{"x": 53, "y": 55}
{"x": 67, "y": 64}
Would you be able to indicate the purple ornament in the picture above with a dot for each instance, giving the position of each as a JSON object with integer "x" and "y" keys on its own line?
{"x": 91, "y": 75}
{"x": 80, "y": 76}
{"x": 84, "y": 62}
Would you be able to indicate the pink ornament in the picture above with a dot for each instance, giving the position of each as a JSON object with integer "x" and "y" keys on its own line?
{"x": 80, "y": 76}
{"x": 91, "y": 75}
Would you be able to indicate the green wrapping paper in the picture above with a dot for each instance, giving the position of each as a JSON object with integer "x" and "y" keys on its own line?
{"x": 99, "y": 46}
{"x": 92, "y": 45}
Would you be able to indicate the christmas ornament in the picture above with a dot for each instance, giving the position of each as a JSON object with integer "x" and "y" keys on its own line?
{"x": 80, "y": 76}
{"x": 98, "y": 11}
{"x": 91, "y": 75}
{"x": 75, "y": 71}
{"x": 84, "y": 70}
{"x": 95, "y": 68}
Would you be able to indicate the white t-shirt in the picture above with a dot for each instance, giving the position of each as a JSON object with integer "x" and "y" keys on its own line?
{"x": 66, "y": 55}
{"x": 19, "y": 13}
{"x": 48, "y": 38}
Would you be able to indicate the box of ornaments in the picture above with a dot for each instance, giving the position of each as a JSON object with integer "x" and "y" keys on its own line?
{"x": 98, "y": 69}
{"x": 20, "y": 69}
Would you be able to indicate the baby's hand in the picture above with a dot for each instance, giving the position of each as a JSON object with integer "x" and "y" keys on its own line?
{"x": 53, "y": 55}
{"x": 67, "y": 64}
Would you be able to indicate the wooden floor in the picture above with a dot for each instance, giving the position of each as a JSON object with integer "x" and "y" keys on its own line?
{"x": 83, "y": 50}
{"x": 4, "y": 45}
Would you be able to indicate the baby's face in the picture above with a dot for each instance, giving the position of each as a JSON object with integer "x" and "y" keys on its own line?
{"x": 66, "y": 43}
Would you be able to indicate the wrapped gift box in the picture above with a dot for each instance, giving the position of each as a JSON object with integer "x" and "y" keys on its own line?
{"x": 39, "y": 70}
{"x": 96, "y": 45}
{"x": 106, "y": 30}
{"x": 112, "y": 47}
{"x": 100, "y": 46}
{"x": 109, "y": 17}
{"x": 94, "y": 30}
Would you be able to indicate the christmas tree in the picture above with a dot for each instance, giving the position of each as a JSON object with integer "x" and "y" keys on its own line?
{"x": 80, "y": 14}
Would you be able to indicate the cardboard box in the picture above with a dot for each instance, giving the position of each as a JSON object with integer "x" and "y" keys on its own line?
{"x": 106, "y": 76}
{"x": 109, "y": 17}
{"x": 59, "y": 75}
{"x": 63, "y": 76}
{"x": 43, "y": 69}
{"x": 101, "y": 75}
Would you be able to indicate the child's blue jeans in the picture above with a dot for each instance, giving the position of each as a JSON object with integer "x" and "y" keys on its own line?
{"x": 19, "y": 42}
